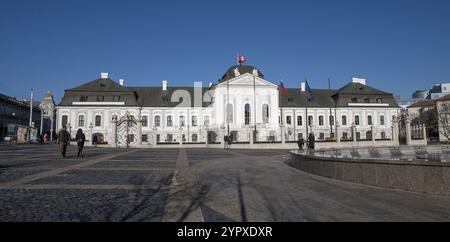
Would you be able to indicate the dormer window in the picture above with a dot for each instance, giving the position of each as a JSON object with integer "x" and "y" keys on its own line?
{"x": 367, "y": 100}
{"x": 100, "y": 98}
{"x": 83, "y": 98}
{"x": 354, "y": 100}
{"x": 379, "y": 100}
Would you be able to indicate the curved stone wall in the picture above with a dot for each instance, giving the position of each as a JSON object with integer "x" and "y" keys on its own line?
{"x": 404, "y": 170}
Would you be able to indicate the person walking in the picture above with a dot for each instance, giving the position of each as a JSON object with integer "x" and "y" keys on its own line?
{"x": 80, "y": 137}
{"x": 63, "y": 140}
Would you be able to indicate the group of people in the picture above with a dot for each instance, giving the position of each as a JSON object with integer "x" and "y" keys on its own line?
{"x": 64, "y": 140}
{"x": 310, "y": 142}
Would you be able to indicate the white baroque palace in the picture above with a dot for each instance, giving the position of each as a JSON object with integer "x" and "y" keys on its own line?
{"x": 243, "y": 104}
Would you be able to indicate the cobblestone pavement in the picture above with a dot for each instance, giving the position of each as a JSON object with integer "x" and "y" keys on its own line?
{"x": 190, "y": 185}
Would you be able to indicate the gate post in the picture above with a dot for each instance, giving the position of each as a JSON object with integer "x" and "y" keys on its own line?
{"x": 354, "y": 135}
{"x": 139, "y": 131}
{"x": 114, "y": 133}
{"x": 283, "y": 135}
{"x": 395, "y": 131}
{"x": 424, "y": 130}
{"x": 408, "y": 131}
{"x": 155, "y": 140}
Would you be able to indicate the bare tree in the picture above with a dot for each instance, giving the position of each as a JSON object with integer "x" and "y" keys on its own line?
{"x": 444, "y": 120}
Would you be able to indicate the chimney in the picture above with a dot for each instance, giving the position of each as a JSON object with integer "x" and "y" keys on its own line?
{"x": 164, "y": 85}
{"x": 121, "y": 82}
{"x": 359, "y": 80}
{"x": 303, "y": 86}
{"x": 104, "y": 75}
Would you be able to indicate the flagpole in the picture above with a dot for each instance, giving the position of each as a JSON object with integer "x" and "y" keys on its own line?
{"x": 307, "y": 103}
{"x": 281, "y": 106}
{"x": 227, "y": 107}
{"x": 254, "y": 105}
{"x": 329, "y": 116}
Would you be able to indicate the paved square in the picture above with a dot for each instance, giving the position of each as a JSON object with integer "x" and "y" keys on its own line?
{"x": 190, "y": 185}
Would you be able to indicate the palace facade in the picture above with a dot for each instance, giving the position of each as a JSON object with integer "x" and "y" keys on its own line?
{"x": 242, "y": 103}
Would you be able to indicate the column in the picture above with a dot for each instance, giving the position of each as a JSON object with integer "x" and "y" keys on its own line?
{"x": 114, "y": 133}
{"x": 283, "y": 134}
{"x": 139, "y": 131}
{"x": 155, "y": 140}
{"x": 424, "y": 130}
{"x": 372, "y": 130}
{"x": 395, "y": 132}
{"x": 337, "y": 134}
{"x": 354, "y": 134}
{"x": 408, "y": 131}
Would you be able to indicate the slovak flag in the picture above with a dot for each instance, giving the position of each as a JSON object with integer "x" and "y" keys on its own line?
{"x": 282, "y": 89}
{"x": 241, "y": 59}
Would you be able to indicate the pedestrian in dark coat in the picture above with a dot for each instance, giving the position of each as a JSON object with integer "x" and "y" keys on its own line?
{"x": 80, "y": 137}
{"x": 63, "y": 140}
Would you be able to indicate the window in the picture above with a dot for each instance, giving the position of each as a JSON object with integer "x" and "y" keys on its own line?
{"x": 114, "y": 117}
{"x": 344, "y": 135}
{"x": 182, "y": 121}
{"x": 229, "y": 113}
{"x": 169, "y": 121}
{"x": 116, "y": 98}
{"x": 157, "y": 121}
{"x": 64, "y": 120}
{"x": 344, "y": 120}
{"x": 288, "y": 120}
{"x": 356, "y": 120}
{"x": 144, "y": 138}
{"x": 320, "y": 120}
{"x": 331, "y": 120}
{"x": 144, "y": 121}
{"x": 353, "y": 100}
{"x": 194, "y": 138}
{"x": 379, "y": 100}
{"x": 158, "y": 138}
{"x": 299, "y": 121}
{"x": 247, "y": 114}
{"x": 382, "y": 120}
{"x": 310, "y": 120}
{"x": 367, "y": 100}
{"x": 300, "y": 135}
{"x": 81, "y": 121}
{"x": 100, "y": 98}
{"x": 369, "y": 120}
{"x": 83, "y": 98}
{"x": 321, "y": 136}
{"x": 265, "y": 113}
{"x": 169, "y": 138}
{"x": 358, "y": 135}
{"x": 383, "y": 135}
{"x": 206, "y": 121}
{"x": 98, "y": 121}
{"x": 194, "y": 121}
{"x": 183, "y": 137}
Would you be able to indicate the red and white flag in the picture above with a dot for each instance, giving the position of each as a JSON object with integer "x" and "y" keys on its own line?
{"x": 241, "y": 59}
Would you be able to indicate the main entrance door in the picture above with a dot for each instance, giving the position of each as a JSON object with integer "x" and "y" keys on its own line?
{"x": 126, "y": 131}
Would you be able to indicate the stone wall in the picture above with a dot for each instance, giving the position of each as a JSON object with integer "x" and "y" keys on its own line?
{"x": 410, "y": 175}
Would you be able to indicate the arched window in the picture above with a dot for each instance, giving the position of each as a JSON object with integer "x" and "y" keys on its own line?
{"x": 247, "y": 114}
{"x": 344, "y": 120}
{"x": 64, "y": 120}
{"x": 288, "y": 120}
{"x": 265, "y": 113}
{"x": 299, "y": 121}
{"x": 169, "y": 121}
{"x": 182, "y": 121}
{"x": 81, "y": 121}
{"x": 194, "y": 121}
{"x": 356, "y": 119}
{"x": 369, "y": 120}
{"x": 383, "y": 135}
{"x": 382, "y": 120}
{"x": 157, "y": 121}
{"x": 144, "y": 121}
{"x": 98, "y": 120}
{"x": 321, "y": 121}
{"x": 229, "y": 113}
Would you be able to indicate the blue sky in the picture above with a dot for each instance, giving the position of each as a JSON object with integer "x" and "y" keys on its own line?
{"x": 398, "y": 45}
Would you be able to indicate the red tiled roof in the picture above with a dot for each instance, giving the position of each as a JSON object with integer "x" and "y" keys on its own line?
{"x": 423, "y": 103}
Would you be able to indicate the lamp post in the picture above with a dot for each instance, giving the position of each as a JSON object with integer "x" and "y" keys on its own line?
{"x": 31, "y": 116}
{"x": 91, "y": 127}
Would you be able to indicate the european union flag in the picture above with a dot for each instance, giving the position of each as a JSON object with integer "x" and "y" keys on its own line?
{"x": 308, "y": 91}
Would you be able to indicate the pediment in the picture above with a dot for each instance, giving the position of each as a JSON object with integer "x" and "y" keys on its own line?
{"x": 248, "y": 80}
